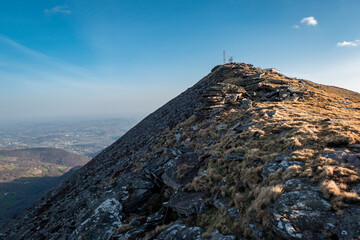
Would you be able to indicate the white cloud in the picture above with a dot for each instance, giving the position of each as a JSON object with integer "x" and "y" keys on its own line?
{"x": 348, "y": 44}
{"x": 296, "y": 27}
{"x": 58, "y": 9}
{"x": 311, "y": 21}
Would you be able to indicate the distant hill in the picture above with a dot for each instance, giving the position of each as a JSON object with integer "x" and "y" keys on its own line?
{"x": 37, "y": 162}
{"x": 27, "y": 174}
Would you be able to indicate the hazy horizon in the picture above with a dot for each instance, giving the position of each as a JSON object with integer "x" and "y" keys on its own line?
{"x": 79, "y": 59}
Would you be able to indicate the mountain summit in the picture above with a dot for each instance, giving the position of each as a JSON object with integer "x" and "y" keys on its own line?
{"x": 245, "y": 153}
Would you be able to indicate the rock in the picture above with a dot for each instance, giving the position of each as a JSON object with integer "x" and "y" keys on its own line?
{"x": 246, "y": 103}
{"x": 216, "y": 235}
{"x": 258, "y": 232}
{"x": 235, "y": 157}
{"x": 175, "y": 176}
{"x": 135, "y": 223}
{"x": 348, "y": 227}
{"x": 225, "y": 203}
{"x": 221, "y": 127}
{"x": 256, "y": 76}
{"x": 271, "y": 113}
{"x": 216, "y": 68}
{"x": 222, "y": 202}
{"x": 284, "y": 94}
{"x": 219, "y": 96}
{"x": 233, "y": 212}
{"x": 343, "y": 156}
{"x": 301, "y": 213}
{"x": 142, "y": 184}
{"x": 282, "y": 161}
{"x": 186, "y": 204}
{"x": 107, "y": 217}
{"x": 242, "y": 127}
{"x": 196, "y": 127}
{"x": 177, "y": 137}
{"x": 355, "y": 148}
{"x": 134, "y": 233}
{"x": 180, "y": 232}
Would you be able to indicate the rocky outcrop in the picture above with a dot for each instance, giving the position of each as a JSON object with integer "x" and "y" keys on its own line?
{"x": 302, "y": 213}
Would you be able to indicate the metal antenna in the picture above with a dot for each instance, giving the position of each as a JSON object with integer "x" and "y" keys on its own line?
{"x": 224, "y": 56}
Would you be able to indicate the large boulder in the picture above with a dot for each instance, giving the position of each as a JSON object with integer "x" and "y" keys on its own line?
{"x": 302, "y": 213}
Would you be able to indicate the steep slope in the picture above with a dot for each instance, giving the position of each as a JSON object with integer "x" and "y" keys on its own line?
{"x": 244, "y": 153}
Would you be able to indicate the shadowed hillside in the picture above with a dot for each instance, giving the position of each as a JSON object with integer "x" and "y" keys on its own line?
{"x": 27, "y": 174}
{"x": 21, "y": 193}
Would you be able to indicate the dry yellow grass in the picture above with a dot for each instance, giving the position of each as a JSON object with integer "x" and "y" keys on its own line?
{"x": 324, "y": 118}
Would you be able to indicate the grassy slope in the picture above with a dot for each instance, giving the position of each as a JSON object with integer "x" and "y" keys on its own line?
{"x": 326, "y": 116}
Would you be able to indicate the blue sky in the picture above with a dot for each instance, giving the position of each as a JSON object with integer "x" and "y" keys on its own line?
{"x": 64, "y": 59}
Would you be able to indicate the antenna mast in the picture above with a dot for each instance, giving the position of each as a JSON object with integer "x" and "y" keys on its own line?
{"x": 224, "y": 56}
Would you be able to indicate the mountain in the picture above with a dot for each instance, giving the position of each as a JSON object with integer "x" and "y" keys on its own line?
{"x": 245, "y": 153}
{"x": 27, "y": 174}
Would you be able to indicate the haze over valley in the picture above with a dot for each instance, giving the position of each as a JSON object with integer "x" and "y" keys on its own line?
{"x": 85, "y": 137}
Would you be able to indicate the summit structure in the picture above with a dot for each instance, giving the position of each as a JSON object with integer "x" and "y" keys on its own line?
{"x": 245, "y": 153}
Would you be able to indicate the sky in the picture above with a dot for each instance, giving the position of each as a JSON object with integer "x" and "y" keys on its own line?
{"x": 108, "y": 58}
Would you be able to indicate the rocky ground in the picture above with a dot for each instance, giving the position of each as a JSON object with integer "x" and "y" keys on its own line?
{"x": 243, "y": 154}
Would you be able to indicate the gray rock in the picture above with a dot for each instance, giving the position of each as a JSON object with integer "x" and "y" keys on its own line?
{"x": 246, "y": 103}
{"x": 235, "y": 157}
{"x": 180, "y": 232}
{"x": 243, "y": 127}
{"x": 107, "y": 219}
{"x": 355, "y": 148}
{"x": 216, "y": 235}
{"x": 344, "y": 156}
{"x": 301, "y": 213}
{"x": 256, "y": 76}
{"x": 233, "y": 212}
{"x": 170, "y": 175}
{"x": 271, "y": 113}
{"x": 222, "y": 202}
{"x": 221, "y": 127}
{"x": 177, "y": 137}
{"x": 284, "y": 94}
{"x": 282, "y": 161}
{"x": 186, "y": 204}
{"x": 135, "y": 223}
{"x": 142, "y": 184}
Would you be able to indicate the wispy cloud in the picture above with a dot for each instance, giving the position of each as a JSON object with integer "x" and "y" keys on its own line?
{"x": 51, "y": 65}
{"x": 296, "y": 27}
{"x": 23, "y": 49}
{"x": 58, "y": 9}
{"x": 310, "y": 21}
{"x": 348, "y": 44}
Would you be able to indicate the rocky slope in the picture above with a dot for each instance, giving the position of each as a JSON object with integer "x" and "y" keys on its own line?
{"x": 243, "y": 154}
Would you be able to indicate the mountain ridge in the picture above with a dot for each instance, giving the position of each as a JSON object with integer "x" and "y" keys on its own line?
{"x": 244, "y": 153}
